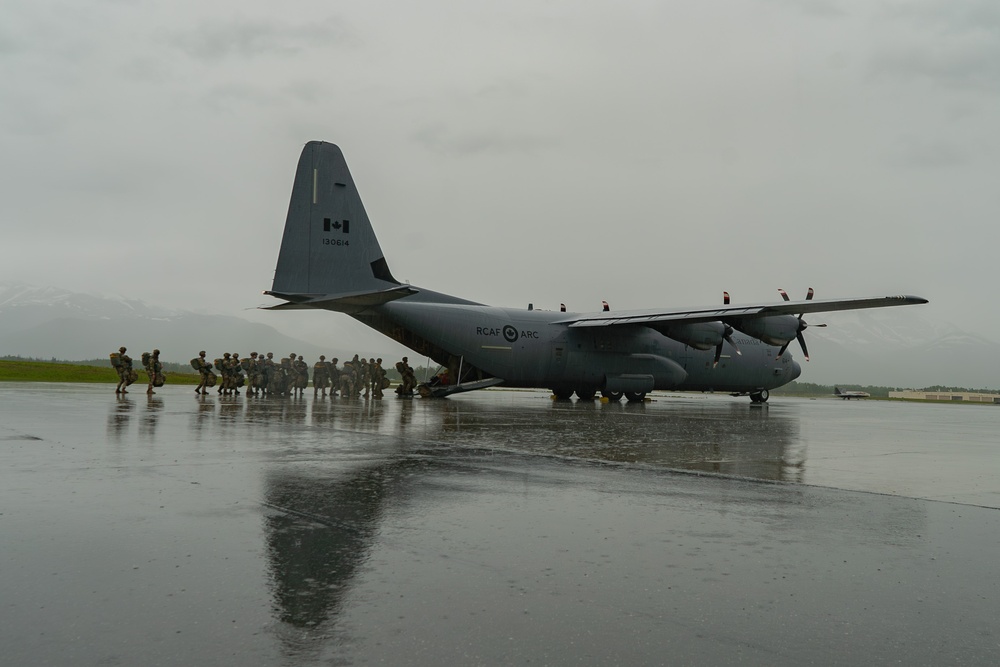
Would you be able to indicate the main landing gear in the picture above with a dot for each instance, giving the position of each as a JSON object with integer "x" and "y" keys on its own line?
{"x": 630, "y": 396}
{"x": 588, "y": 395}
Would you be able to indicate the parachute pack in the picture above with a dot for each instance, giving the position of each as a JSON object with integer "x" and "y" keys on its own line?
{"x": 116, "y": 359}
{"x": 159, "y": 379}
{"x": 146, "y": 357}
{"x": 218, "y": 365}
{"x": 196, "y": 363}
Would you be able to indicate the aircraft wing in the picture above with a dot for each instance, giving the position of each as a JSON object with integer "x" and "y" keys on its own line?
{"x": 652, "y": 317}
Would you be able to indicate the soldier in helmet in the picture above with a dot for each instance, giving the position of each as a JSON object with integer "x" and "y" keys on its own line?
{"x": 409, "y": 378}
{"x": 252, "y": 367}
{"x": 377, "y": 377}
{"x": 225, "y": 367}
{"x": 204, "y": 369}
{"x": 300, "y": 373}
{"x": 271, "y": 373}
{"x": 347, "y": 379}
{"x": 154, "y": 370}
{"x": 321, "y": 376}
{"x": 236, "y": 373}
{"x": 124, "y": 369}
{"x": 334, "y": 376}
{"x": 363, "y": 376}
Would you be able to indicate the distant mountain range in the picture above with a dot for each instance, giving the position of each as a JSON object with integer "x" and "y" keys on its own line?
{"x": 896, "y": 347}
{"x": 45, "y": 322}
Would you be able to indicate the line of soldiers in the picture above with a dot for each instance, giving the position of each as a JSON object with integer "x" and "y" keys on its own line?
{"x": 262, "y": 375}
{"x": 122, "y": 363}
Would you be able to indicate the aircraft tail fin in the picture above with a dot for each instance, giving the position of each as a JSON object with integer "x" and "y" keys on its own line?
{"x": 328, "y": 248}
{"x": 836, "y": 391}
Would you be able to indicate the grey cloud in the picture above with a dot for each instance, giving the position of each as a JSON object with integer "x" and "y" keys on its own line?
{"x": 927, "y": 154}
{"x": 954, "y": 44}
{"x": 944, "y": 17}
{"x": 9, "y": 44}
{"x": 969, "y": 64}
{"x": 450, "y": 141}
{"x": 247, "y": 38}
{"x": 816, "y": 8}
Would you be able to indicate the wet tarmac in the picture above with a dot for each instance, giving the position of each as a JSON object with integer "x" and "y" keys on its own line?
{"x": 494, "y": 528}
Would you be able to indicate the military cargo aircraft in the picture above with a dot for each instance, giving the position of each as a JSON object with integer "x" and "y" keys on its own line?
{"x": 330, "y": 259}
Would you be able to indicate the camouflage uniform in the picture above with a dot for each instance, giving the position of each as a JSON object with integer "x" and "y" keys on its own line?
{"x": 154, "y": 370}
{"x": 377, "y": 376}
{"x": 204, "y": 370}
{"x": 236, "y": 373}
{"x": 347, "y": 380}
{"x": 124, "y": 369}
{"x": 321, "y": 376}
{"x": 275, "y": 378}
{"x": 409, "y": 380}
{"x": 224, "y": 367}
{"x": 334, "y": 376}
{"x": 253, "y": 369}
{"x": 363, "y": 377}
{"x": 301, "y": 370}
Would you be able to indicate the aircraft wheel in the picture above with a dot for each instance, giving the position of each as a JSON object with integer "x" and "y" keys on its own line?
{"x": 562, "y": 394}
{"x": 586, "y": 394}
{"x": 613, "y": 396}
{"x": 760, "y": 396}
{"x": 635, "y": 396}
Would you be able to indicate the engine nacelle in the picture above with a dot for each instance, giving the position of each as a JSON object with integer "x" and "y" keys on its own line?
{"x": 699, "y": 335}
{"x": 774, "y": 330}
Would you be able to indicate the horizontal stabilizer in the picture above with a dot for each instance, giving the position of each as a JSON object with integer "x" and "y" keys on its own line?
{"x": 344, "y": 303}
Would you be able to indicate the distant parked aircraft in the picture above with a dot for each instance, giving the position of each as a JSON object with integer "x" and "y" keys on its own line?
{"x": 848, "y": 395}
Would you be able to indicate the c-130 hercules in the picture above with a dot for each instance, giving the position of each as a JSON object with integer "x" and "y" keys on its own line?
{"x": 330, "y": 259}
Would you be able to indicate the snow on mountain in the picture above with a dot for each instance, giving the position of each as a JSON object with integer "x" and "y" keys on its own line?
{"x": 896, "y": 347}
{"x": 46, "y": 322}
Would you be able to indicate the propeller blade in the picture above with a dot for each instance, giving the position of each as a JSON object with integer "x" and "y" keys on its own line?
{"x": 782, "y": 350}
{"x": 809, "y": 294}
{"x": 784, "y": 294}
{"x": 725, "y": 298}
{"x": 727, "y": 335}
{"x": 802, "y": 343}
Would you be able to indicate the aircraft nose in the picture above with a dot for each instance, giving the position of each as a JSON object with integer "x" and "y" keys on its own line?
{"x": 795, "y": 371}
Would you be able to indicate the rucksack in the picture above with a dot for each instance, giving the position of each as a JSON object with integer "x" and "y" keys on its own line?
{"x": 196, "y": 363}
{"x": 218, "y": 365}
{"x": 146, "y": 356}
{"x": 116, "y": 359}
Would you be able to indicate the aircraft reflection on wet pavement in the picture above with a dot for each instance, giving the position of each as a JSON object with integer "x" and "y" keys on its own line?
{"x": 323, "y": 520}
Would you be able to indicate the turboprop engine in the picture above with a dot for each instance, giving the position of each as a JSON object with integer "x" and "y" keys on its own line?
{"x": 701, "y": 335}
{"x": 777, "y": 330}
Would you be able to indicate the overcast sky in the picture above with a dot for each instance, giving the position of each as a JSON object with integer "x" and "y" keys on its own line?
{"x": 646, "y": 153}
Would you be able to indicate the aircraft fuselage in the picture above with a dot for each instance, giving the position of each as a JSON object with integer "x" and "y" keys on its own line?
{"x": 527, "y": 348}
